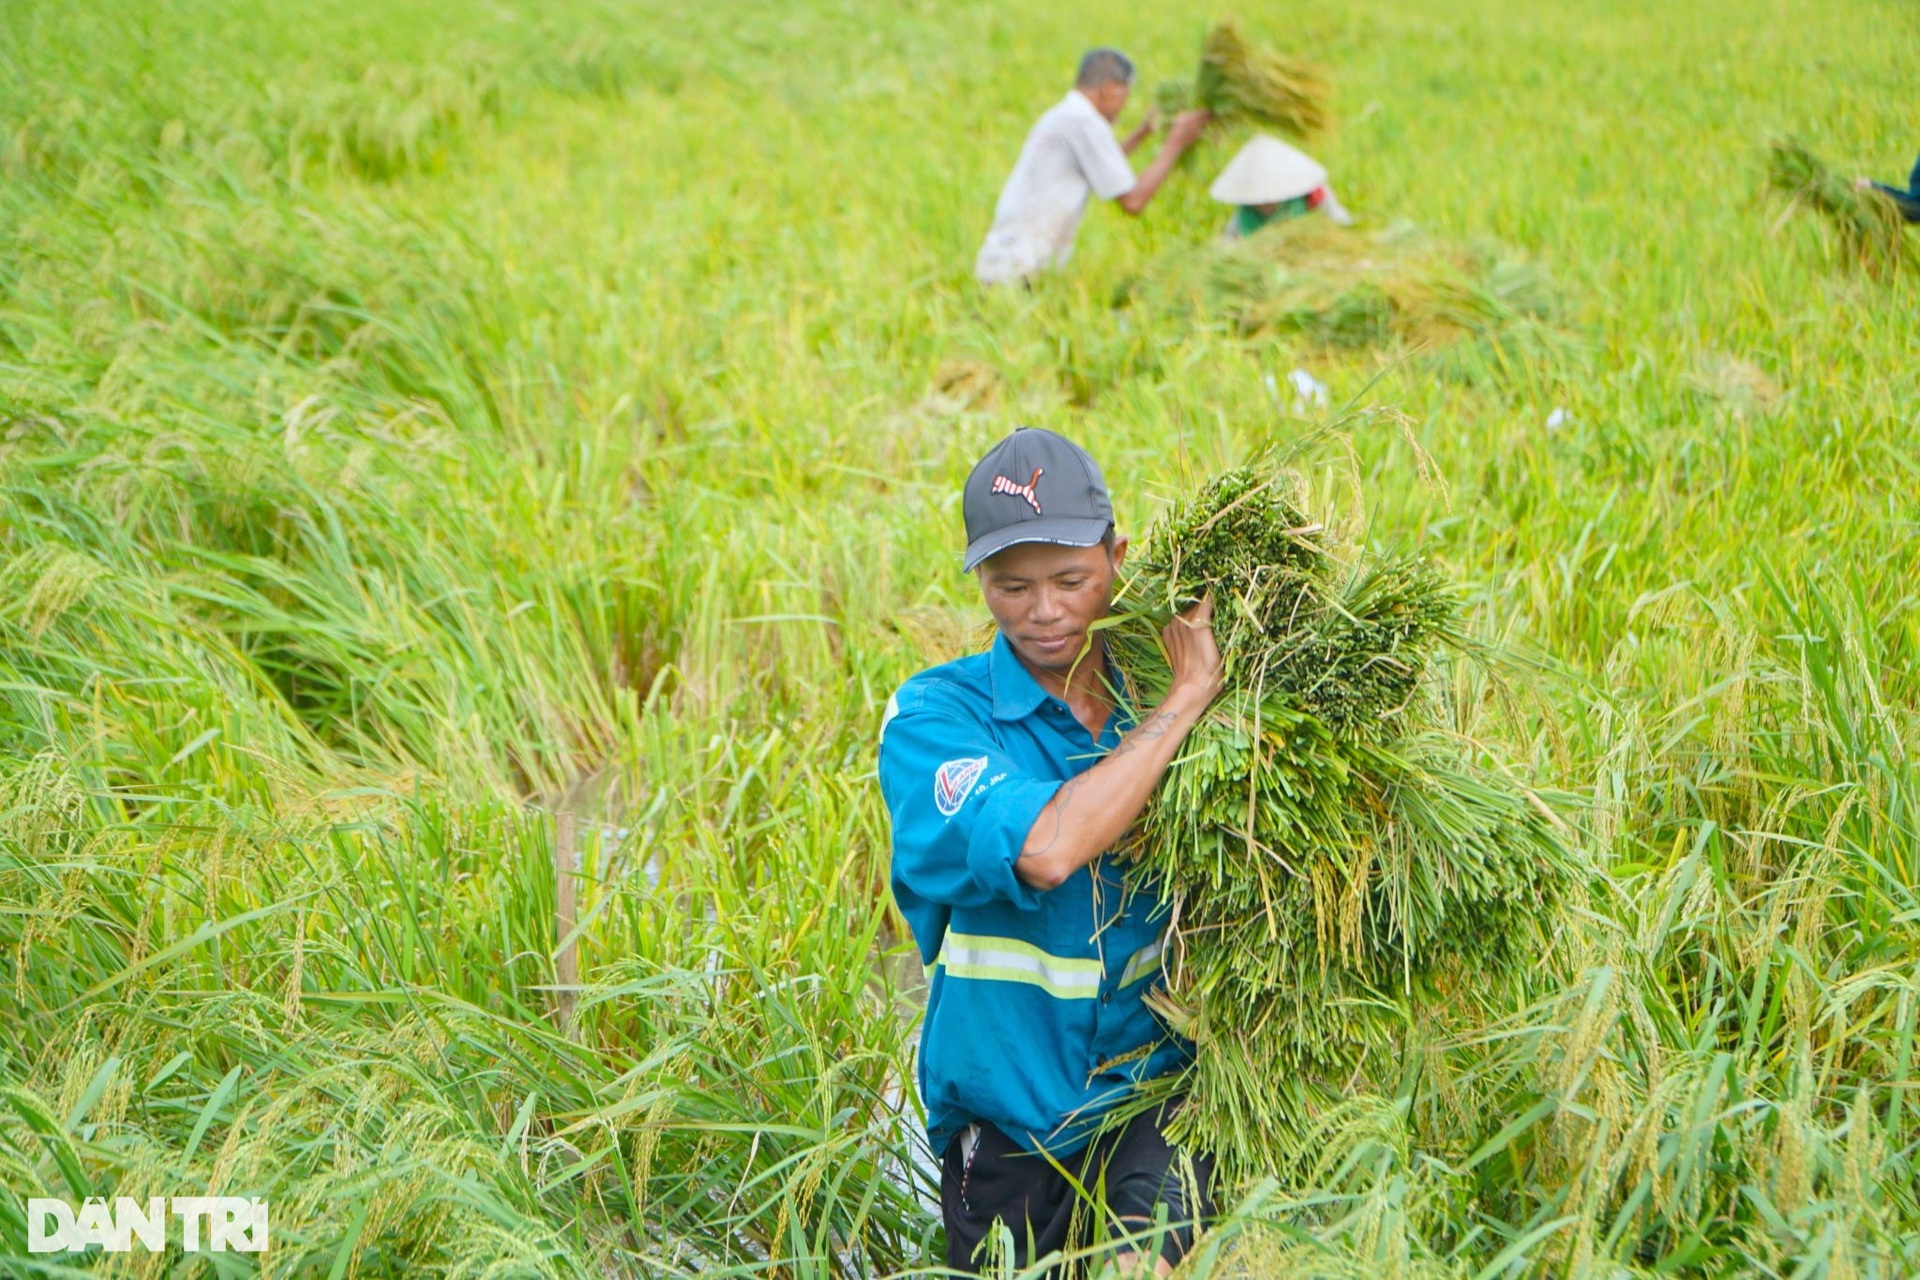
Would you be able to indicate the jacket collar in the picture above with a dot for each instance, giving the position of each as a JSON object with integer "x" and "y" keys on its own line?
{"x": 1016, "y": 693}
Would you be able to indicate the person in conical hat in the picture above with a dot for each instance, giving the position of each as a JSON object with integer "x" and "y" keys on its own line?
{"x": 1267, "y": 180}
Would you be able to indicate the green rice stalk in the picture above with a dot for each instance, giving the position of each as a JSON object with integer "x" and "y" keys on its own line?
{"x": 1171, "y": 97}
{"x": 1337, "y": 859}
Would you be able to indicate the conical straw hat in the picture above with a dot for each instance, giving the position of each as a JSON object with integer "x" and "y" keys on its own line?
{"x": 1267, "y": 171}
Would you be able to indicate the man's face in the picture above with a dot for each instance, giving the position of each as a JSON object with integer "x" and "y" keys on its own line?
{"x": 1044, "y": 597}
{"x": 1109, "y": 99}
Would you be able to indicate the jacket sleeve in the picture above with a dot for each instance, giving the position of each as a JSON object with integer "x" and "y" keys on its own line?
{"x": 960, "y": 806}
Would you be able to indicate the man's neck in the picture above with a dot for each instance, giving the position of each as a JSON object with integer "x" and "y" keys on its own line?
{"x": 1084, "y": 689}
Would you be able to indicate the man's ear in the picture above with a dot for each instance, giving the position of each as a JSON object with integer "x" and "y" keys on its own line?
{"x": 1119, "y": 552}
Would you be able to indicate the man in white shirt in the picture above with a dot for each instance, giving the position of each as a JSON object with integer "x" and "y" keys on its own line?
{"x": 1071, "y": 154}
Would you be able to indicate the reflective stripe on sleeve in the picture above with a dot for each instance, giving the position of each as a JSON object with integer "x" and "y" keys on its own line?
{"x": 967, "y": 955}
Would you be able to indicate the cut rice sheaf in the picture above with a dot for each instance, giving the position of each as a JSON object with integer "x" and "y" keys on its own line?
{"x": 1340, "y": 863}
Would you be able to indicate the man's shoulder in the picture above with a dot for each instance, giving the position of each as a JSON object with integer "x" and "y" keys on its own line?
{"x": 962, "y": 686}
{"x": 1058, "y": 111}
{"x": 1071, "y": 112}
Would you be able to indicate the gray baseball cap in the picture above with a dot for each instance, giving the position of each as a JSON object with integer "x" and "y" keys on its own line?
{"x": 1034, "y": 486}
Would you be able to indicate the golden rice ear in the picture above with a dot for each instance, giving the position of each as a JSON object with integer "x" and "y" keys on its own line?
{"x": 1243, "y": 83}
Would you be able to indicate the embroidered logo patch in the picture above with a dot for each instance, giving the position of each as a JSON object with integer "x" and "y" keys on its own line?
{"x": 953, "y": 780}
{"x": 1003, "y": 485}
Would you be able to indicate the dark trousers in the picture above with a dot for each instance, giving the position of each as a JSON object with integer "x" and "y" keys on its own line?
{"x": 986, "y": 1177}
{"x": 1908, "y": 200}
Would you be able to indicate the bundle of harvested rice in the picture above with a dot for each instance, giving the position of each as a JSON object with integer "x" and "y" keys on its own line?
{"x": 1243, "y": 83}
{"x": 1345, "y": 288}
{"x": 1871, "y": 230}
{"x": 1336, "y": 858}
{"x": 1171, "y": 97}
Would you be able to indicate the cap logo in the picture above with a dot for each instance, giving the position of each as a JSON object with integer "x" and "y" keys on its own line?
{"x": 1003, "y": 485}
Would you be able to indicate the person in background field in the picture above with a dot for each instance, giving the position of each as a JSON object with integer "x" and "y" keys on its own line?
{"x": 1270, "y": 181}
{"x": 1009, "y": 777}
{"x": 1072, "y": 154}
{"x": 1908, "y": 200}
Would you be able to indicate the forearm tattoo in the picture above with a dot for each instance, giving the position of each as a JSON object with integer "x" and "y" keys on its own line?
{"x": 1154, "y": 727}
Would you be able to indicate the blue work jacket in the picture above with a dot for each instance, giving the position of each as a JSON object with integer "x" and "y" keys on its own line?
{"x": 1035, "y": 1020}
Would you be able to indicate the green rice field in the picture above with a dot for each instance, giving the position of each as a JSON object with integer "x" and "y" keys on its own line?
{"x": 440, "y": 440}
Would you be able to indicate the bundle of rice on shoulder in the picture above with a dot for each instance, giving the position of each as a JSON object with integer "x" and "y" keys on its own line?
{"x": 1343, "y": 866}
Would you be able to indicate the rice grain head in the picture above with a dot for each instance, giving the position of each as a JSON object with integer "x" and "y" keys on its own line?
{"x": 1243, "y": 83}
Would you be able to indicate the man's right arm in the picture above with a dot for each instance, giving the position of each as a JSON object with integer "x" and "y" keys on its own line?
{"x": 1090, "y": 813}
{"x": 959, "y": 805}
{"x": 1185, "y": 131}
{"x": 971, "y": 826}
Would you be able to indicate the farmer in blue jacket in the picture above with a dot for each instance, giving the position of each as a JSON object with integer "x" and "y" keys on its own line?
{"x": 1009, "y": 776}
